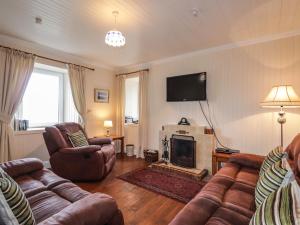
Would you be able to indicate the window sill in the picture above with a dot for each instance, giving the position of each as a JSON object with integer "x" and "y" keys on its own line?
{"x": 131, "y": 124}
{"x": 29, "y": 131}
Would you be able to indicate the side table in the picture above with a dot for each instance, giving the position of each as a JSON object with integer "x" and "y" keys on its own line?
{"x": 217, "y": 159}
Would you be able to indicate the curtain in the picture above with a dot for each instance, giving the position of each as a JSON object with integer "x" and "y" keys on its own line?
{"x": 15, "y": 70}
{"x": 120, "y": 106}
{"x": 143, "y": 112}
{"x": 77, "y": 82}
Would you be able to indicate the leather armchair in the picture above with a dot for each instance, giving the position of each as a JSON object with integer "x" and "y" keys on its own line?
{"x": 87, "y": 163}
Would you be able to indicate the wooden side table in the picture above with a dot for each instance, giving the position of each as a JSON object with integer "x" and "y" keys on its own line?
{"x": 217, "y": 159}
{"x": 117, "y": 137}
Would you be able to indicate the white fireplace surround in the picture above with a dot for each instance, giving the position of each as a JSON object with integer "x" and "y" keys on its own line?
{"x": 205, "y": 143}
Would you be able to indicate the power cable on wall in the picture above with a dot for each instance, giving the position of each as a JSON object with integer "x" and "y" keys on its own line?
{"x": 210, "y": 123}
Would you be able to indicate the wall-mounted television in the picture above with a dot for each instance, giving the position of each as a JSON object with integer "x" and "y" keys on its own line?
{"x": 190, "y": 87}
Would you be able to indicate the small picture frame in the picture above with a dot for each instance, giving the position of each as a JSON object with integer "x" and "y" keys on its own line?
{"x": 101, "y": 95}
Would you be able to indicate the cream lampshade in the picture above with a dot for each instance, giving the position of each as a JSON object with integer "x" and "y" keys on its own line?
{"x": 279, "y": 97}
{"x": 107, "y": 124}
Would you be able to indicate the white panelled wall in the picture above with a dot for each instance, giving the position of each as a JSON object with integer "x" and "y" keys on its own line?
{"x": 238, "y": 79}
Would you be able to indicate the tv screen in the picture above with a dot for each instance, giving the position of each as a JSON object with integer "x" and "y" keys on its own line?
{"x": 191, "y": 87}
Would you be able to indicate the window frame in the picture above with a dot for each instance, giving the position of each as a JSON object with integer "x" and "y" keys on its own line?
{"x": 45, "y": 70}
{"x": 138, "y": 97}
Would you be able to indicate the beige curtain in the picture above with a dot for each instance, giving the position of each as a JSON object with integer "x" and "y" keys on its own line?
{"x": 77, "y": 82}
{"x": 15, "y": 70}
{"x": 120, "y": 106}
{"x": 143, "y": 112}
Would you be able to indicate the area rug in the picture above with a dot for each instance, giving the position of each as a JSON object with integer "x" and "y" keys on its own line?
{"x": 170, "y": 184}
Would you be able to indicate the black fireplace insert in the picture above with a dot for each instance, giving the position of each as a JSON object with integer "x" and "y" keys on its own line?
{"x": 183, "y": 151}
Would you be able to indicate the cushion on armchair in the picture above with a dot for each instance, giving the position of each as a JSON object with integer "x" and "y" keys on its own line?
{"x": 78, "y": 139}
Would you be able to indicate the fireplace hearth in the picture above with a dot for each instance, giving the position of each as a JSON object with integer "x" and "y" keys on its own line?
{"x": 183, "y": 151}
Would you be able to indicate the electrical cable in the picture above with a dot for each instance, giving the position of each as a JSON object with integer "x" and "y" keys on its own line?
{"x": 209, "y": 121}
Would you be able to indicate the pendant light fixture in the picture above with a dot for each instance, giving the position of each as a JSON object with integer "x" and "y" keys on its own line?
{"x": 114, "y": 37}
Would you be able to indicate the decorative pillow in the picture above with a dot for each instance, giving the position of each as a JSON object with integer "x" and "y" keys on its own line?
{"x": 6, "y": 215}
{"x": 16, "y": 200}
{"x": 280, "y": 174}
{"x": 281, "y": 207}
{"x": 274, "y": 156}
{"x": 78, "y": 139}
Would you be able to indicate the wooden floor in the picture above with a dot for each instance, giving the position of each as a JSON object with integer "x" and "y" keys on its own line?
{"x": 138, "y": 205}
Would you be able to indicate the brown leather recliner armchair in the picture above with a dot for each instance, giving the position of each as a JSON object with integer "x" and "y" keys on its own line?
{"x": 88, "y": 163}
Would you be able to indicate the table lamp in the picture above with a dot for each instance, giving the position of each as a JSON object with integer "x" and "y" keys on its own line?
{"x": 282, "y": 96}
{"x": 107, "y": 124}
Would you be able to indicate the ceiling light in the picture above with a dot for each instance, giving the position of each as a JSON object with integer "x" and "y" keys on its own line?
{"x": 114, "y": 37}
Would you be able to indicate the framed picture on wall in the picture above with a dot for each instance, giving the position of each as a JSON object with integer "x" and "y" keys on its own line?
{"x": 101, "y": 95}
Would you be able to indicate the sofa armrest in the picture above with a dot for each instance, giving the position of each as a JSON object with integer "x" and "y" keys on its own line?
{"x": 248, "y": 160}
{"x": 20, "y": 167}
{"x": 100, "y": 141}
{"x": 81, "y": 150}
{"x": 96, "y": 208}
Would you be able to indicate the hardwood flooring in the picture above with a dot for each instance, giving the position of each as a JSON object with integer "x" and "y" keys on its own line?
{"x": 138, "y": 205}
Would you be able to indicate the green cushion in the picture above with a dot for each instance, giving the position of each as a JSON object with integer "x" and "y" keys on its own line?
{"x": 277, "y": 175}
{"x": 78, "y": 139}
{"x": 16, "y": 200}
{"x": 280, "y": 207}
{"x": 274, "y": 156}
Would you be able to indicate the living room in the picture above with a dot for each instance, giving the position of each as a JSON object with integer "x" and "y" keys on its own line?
{"x": 108, "y": 70}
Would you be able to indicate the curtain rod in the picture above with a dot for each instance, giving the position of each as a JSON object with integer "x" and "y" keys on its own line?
{"x": 43, "y": 57}
{"x": 121, "y": 74}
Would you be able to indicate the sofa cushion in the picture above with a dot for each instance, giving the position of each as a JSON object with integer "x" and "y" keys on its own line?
{"x": 281, "y": 207}
{"x": 227, "y": 216}
{"x": 271, "y": 180}
{"x": 48, "y": 193}
{"x": 273, "y": 156}
{"x": 98, "y": 209}
{"x": 45, "y": 204}
{"x": 16, "y": 200}
{"x": 70, "y": 191}
{"x": 39, "y": 181}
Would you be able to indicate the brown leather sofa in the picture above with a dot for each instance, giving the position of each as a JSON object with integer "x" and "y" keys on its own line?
{"x": 57, "y": 201}
{"x": 228, "y": 198}
{"x": 88, "y": 163}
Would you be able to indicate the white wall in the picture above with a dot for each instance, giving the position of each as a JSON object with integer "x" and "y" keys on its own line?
{"x": 238, "y": 79}
{"x": 31, "y": 143}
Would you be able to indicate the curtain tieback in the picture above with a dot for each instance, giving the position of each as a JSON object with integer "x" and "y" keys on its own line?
{"x": 5, "y": 118}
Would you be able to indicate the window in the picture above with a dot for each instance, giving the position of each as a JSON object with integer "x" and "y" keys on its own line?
{"x": 132, "y": 100}
{"x": 48, "y": 98}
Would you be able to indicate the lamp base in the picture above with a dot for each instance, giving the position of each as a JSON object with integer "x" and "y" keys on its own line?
{"x": 281, "y": 120}
{"x": 107, "y": 133}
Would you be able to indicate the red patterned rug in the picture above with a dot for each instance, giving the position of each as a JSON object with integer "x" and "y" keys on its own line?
{"x": 170, "y": 184}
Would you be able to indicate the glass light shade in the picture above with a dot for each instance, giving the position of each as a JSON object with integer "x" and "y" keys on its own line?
{"x": 115, "y": 38}
{"x": 108, "y": 123}
{"x": 282, "y": 96}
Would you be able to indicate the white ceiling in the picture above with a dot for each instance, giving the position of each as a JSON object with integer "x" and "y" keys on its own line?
{"x": 154, "y": 29}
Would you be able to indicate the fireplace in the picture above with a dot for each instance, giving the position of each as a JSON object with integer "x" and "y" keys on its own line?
{"x": 183, "y": 151}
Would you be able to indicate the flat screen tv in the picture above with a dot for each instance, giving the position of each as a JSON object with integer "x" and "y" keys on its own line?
{"x": 190, "y": 87}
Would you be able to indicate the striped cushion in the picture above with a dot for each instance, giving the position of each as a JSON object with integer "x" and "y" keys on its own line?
{"x": 78, "y": 139}
{"x": 281, "y": 207}
{"x": 16, "y": 200}
{"x": 273, "y": 178}
{"x": 274, "y": 156}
